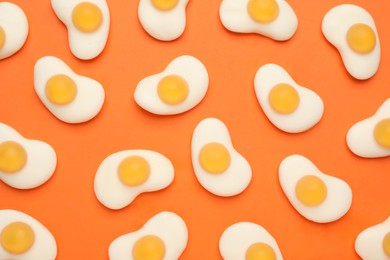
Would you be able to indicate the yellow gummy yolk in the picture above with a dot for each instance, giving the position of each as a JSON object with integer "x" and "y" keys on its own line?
{"x": 386, "y": 244}
{"x": 172, "y": 89}
{"x": 133, "y": 171}
{"x": 260, "y": 251}
{"x": 283, "y": 98}
{"x": 17, "y": 238}
{"x": 2, "y": 37}
{"x": 361, "y": 38}
{"x": 61, "y": 89}
{"x": 263, "y": 11}
{"x": 214, "y": 158}
{"x": 87, "y": 17}
{"x": 311, "y": 190}
{"x": 149, "y": 248}
{"x": 13, "y": 157}
{"x": 382, "y": 133}
{"x": 164, "y": 5}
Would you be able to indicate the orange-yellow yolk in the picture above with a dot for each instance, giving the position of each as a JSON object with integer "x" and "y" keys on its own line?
{"x": 2, "y": 37}
{"x": 87, "y": 17}
{"x": 13, "y": 157}
{"x": 172, "y": 89}
{"x": 260, "y": 251}
{"x": 17, "y": 238}
{"x": 283, "y": 98}
{"x": 311, "y": 190}
{"x": 149, "y": 247}
{"x": 133, "y": 171}
{"x": 61, "y": 89}
{"x": 263, "y": 11}
{"x": 361, "y": 38}
{"x": 214, "y": 158}
{"x": 382, "y": 133}
{"x": 386, "y": 244}
{"x": 165, "y": 5}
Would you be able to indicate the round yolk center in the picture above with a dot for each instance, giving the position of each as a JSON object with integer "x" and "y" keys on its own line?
{"x": 214, "y": 158}
{"x": 133, "y": 171}
{"x": 61, "y": 89}
{"x": 87, "y": 17}
{"x": 263, "y": 11}
{"x": 17, "y": 238}
{"x": 2, "y": 37}
{"x": 13, "y": 157}
{"x": 386, "y": 244}
{"x": 260, "y": 251}
{"x": 361, "y": 38}
{"x": 172, "y": 89}
{"x": 149, "y": 247}
{"x": 283, "y": 98}
{"x": 311, "y": 190}
{"x": 382, "y": 133}
{"x": 165, "y": 5}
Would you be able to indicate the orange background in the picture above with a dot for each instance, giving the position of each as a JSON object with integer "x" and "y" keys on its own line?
{"x": 84, "y": 228}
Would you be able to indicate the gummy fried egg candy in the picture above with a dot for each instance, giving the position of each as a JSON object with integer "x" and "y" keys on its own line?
{"x": 165, "y": 20}
{"x": 13, "y": 29}
{"x": 24, "y": 163}
{"x": 351, "y": 29}
{"x": 88, "y": 25}
{"x": 180, "y": 87}
{"x": 219, "y": 168}
{"x": 272, "y": 18}
{"x": 315, "y": 195}
{"x": 23, "y": 237}
{"x": 122, "y": 176}
{"x": 164, "y": 236}
{"x": 68, "y": 96}
{"x": 373, "y": 243}
{"x": 245, "y": 240}
{"x": 370, "y": 138}
{"x": 289, "y": 106}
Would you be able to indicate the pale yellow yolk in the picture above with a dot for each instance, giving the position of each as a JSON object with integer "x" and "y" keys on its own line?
{"x": 172, "y": 89}
{"x": 61, "y": 89}
{"x": 260, "y": 251}
{"x": 13, "y": 157}
{"x": 386, "y": 244}
{"x": 361, "y": 38}
{"x": 133, "y": 171}
{"x": 87, "y": 17}
{"x": 263, "y": 11}
{"x": 311, "y": 190}
{"x": 382, "y": 133}
{"x": 165, "y": 5}
{"x": 283, "y": 98}
{"x": 214, "y": 158}
{"x": 2, "y": 37}
{"x": 149, "y": 248}
{"x": 17, "y": 238}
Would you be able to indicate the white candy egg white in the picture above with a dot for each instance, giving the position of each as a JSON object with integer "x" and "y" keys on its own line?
{"x": 237, "y": 238}
{"x": 41, "y": 161}
{"x": 168, "y": 226}
{"x": 44, "y": 247}
{"x": 90, "y": 93}
{"x": 239, "y": 173}
{"x": 235, "y": 17}
{"x": 83, "y": 45}
{"x": 309, "y": 111}
{"x": 369, "y": 243}
{"x": 113, "y": 194}
{"x": 335, "y": 26}
{"x": 187, "y": 67}
{"x": 360, "y": 137}
{"x": 165, "y": 25}
{"x": 14, "y": 23}
{"x": 339, "y": 194}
